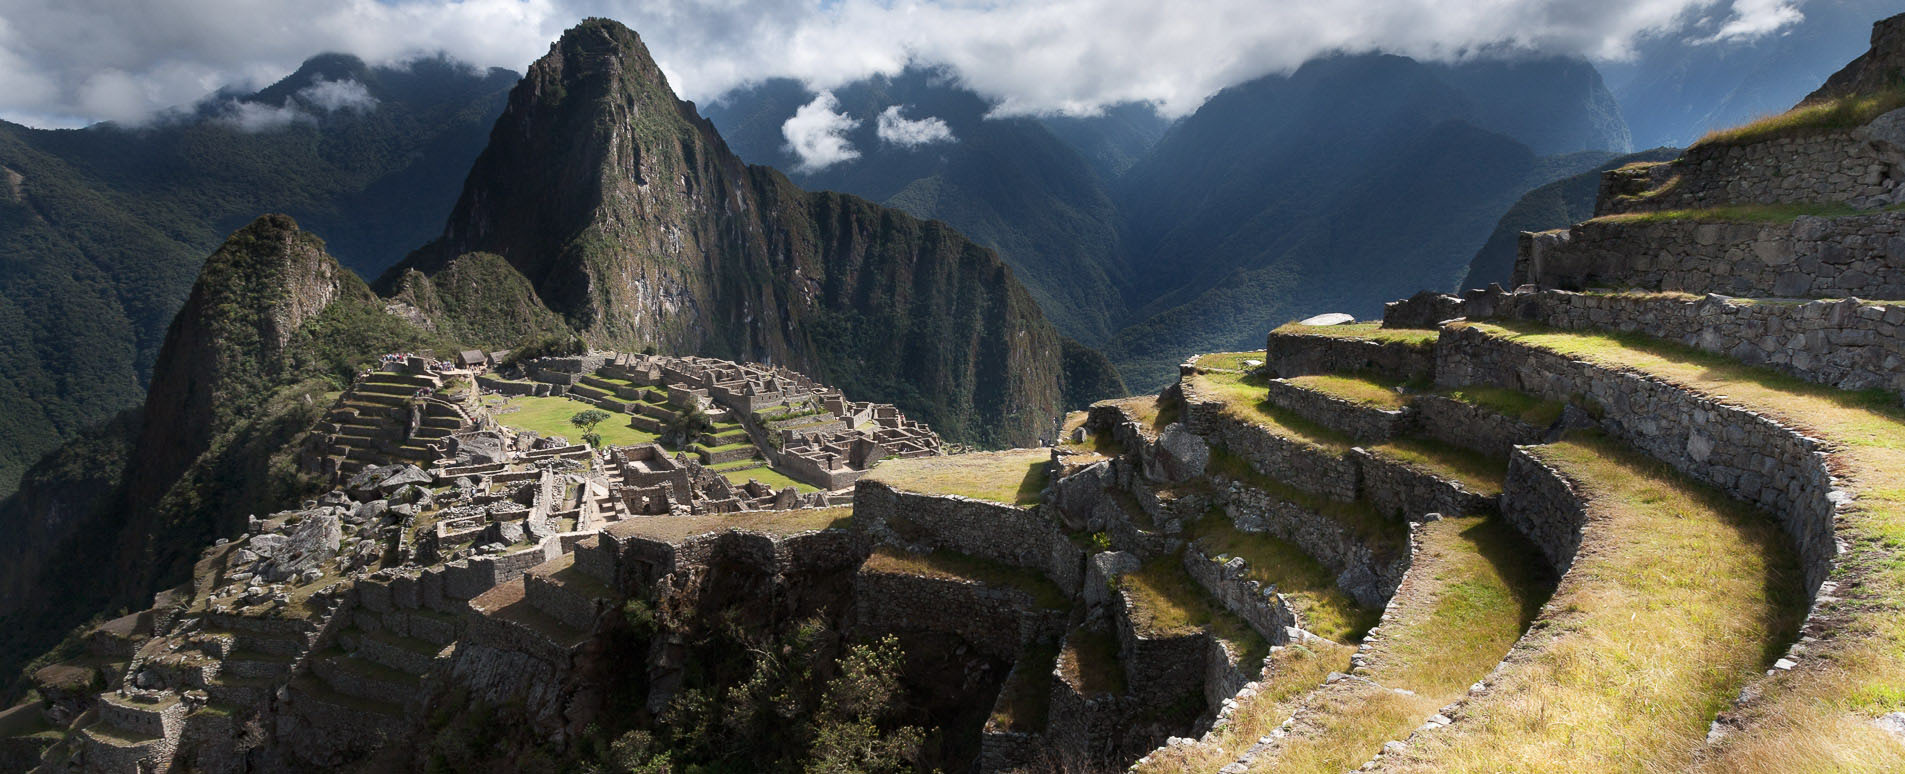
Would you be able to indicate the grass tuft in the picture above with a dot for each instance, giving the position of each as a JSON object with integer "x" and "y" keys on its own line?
{"x": 1848, "y": 112}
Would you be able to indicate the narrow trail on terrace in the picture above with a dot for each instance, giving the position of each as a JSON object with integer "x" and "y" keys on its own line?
{"x": 1472, "y": 591}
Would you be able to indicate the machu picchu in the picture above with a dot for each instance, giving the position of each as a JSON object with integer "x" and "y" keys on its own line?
{"x": 639, "y": 467}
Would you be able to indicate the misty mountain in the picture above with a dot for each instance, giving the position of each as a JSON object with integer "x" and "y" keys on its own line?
{"x": 103, "y": 229}
{"x": 1353, "y": 180}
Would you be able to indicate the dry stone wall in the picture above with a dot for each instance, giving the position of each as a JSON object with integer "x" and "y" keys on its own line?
{"x": 1467, "y": 425}
{"x": 1398, "y": 488}
{"x": 1291, "y": 355}
{"x": 1748, "y": 455}
{"x": 1367, "y": 572}
{"x": 1365, "y": 423}
{"x": 1543, "y": 505}
{"x": 998, "y": 622}
{"x": 1300, "y": 465}
{"x": 1809, "y": 257}
{"x": 1847, "y": 344}
{"x": 1019, "y": 537}
{"x": 1229, "y": 583}
{"x": 1860, "y": 167}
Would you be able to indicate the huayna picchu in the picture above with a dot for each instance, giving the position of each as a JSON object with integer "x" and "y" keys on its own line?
{"x": 601, "y": 481}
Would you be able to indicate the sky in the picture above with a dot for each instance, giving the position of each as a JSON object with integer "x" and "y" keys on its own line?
{"x": 69, "y": 63}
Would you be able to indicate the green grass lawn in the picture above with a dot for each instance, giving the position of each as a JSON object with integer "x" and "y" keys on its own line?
{"x": 1367, "y": 331}
{"x": 1481, "y": 473}
{"x": 550, "y": 416}
{"x": 1245, "y": 397}
{"x": 1366, "y": 389}
{"x": 1510, "y": 403}
{"x": 765, "y": 475}
{"x": 1841, "y": 113}
{"x": 1014, "y": 477}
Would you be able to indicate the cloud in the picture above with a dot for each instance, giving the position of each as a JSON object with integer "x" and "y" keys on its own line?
{"x": 817, "y": 133}
{"x": 64, "y": 62}
{"x": 911, "y": 133}
{"x": 332, "y": 96}
{"x": 321, "y": 97}
{"x": 1755, "y": 18}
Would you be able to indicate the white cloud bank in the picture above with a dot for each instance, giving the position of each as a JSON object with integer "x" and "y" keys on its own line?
{"x": 911, "y": 133}
{"x": 817, "y": 133}
{"x": 305, "y": 106}
{"x": 67, "y": 62}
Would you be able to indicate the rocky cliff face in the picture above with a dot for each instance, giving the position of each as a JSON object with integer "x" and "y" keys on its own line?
{"x": 226, "y": 344}
{"x": 631, "y": 219}
{"x": 272, "y": 324}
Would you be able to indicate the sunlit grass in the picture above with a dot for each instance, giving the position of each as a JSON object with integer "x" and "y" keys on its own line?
{"x": 1511, "y": 403}
{"x": 1013, "y": 477}
{"x": 1166, "y": 602}
{"x": 1474, "y": 589}
{"x": 1366, "y": 389}
{"x": 1679, "y": 596}
{"x": 1368, "y": 331}
{"x": 1816, "y": 718}
{"x": 1848, "y": 112}
{"x": 1480, "y": 473}
{"x": 549, "y": 416}
{"x": 1245, "y": 397}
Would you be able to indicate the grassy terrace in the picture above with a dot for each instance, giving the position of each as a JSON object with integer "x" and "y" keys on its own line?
{"x": 734, "y": 472}
{"x": 1230, "y": 361}
{"x": 1742, "y": 213}
{"x": 1366, "y": 331}
{"x": 1849, "y": 112}
{"x": 1165, "y": 602}
{"x": 1679, "y": 597}
{"x": 1814, "y": 718}
{"x": 1293, "y": 674}
{"x": 1479, "y": 472}
{"x": 1501, "y": 400}
{"x": 949, "y": 565}
{"x": 549, "y": 415}
{"x": 1383, "y": 533}
{"x": 1243, "y": 397}
{"x": 1013, "y": 477}
{"x": 1089, "y": 661}
{"x": 1026, "y": 700}
{"x": 1366, "y": 389}
{"x": 676, "y": 528}
{"x": 1309, "y": 586}
{"x": 1475, "y": 587}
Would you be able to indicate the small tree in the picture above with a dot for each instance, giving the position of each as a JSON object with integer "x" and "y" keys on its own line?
{"x": 685, "y": 426}
{"x": 586, "y": 422}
